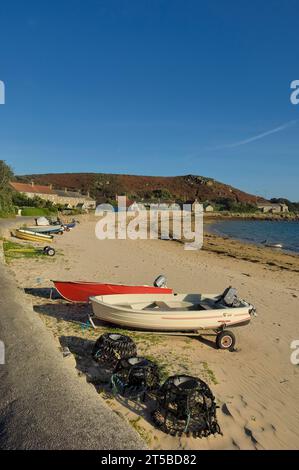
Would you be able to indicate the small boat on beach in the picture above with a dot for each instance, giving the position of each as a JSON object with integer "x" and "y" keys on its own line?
{"x": 46, "y": 224}
{"x": 176, "y": 312}
{"x": 80, "y": 291}
{"x": 48, "y": 229}
{"x": 70, "y": 225}
{"x": 272, "y": 245}
{"x": 32, "y": 236}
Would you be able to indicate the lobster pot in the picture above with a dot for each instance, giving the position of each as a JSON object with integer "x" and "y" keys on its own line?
{"x": 186, "y": 404}
{"x": 110, "y": 348}
{"x": 135, "y": 376}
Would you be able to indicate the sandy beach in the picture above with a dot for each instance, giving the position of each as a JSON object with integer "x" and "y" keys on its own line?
{"x": 256, "y": 386}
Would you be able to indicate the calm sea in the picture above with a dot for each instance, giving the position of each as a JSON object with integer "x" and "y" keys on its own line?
{"x": 256, "y": 231}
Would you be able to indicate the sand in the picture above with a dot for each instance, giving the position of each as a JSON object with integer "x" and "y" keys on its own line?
{"x": 256, "y": 386}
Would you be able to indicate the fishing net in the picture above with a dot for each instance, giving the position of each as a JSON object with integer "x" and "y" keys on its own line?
{"x": 135, "y": 376}
{"x": 186, "y": 404}
{"x": 110, "y": 348}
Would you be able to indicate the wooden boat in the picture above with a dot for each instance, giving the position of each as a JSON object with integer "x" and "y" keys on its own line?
{"x": 80, "y": 291}
{"x": 173, "y": 312}
{"x": 32, "y": 236}
{"x": 48, "y": 229}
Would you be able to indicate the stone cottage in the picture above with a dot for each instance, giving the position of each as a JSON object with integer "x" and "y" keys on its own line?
{"x": 67, "y": 198}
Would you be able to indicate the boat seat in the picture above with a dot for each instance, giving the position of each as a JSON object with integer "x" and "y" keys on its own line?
{"x": 211, "y": 305}
{"x": 207, "y": 304}
{"x": 160, "y": 304}
{"x": 163, "y": 306}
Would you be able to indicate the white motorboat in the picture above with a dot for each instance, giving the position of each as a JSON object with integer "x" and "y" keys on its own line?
{"x": 174, "y": 312}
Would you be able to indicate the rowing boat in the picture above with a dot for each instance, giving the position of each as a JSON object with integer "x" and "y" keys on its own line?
{"x": 173, "y": 312}
{"x": 80, "y": 291}
{"x": 48, "y": 229}
{"x": 32, "y": 236}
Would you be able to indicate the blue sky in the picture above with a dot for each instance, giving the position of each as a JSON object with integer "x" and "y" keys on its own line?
{"x": 153, "y": 87}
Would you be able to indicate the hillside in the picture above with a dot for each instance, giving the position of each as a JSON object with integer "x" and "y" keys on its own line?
{"x": 101, "y": 185}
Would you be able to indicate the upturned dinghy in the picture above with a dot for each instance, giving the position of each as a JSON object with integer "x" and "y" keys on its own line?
{"x": 81, "y": 291}
{"x": 47, "y": 229}
{"x": 176, "y": 312}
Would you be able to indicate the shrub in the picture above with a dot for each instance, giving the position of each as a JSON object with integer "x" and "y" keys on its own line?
{"x": 38, "y": 211}
{"x": 6, "y": 204}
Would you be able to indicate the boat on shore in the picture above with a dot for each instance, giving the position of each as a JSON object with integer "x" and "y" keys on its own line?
{"x": 80, "y": 291}
{"x": 32, "y": 236}
{"x": 272, "y": 245}
{"x": 175, "y": 312}
{"x": 46, "y": 224}
{"x": 70, "y": 225}
{"x": 48, "y": 229}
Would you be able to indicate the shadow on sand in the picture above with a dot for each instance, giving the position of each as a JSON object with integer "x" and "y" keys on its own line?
{"x": 99, "y": 374}
{"x": 43, "y": 292}
{"x": 63, "y": 311}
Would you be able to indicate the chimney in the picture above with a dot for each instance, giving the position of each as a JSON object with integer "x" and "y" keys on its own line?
{"x": 65, "y": 190}
{"x": 88, "y": 194}
{"x": 32, "y": 183}
{"x": 51, "y": 186}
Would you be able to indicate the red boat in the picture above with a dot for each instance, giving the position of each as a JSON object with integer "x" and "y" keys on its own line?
{"x": 80, "y": 291}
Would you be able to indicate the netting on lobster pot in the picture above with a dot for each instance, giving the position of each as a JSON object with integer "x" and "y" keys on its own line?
{"x": 110, "y": 348}
{"x": 135, "y": 376}
{"x": 186, "y": 404}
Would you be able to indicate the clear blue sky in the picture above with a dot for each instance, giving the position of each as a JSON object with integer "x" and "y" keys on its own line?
{"x": 159, "y": 87}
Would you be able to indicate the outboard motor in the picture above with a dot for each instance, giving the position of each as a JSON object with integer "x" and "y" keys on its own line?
{"x": 160, "y": 281}
{"x": 230, "y": 297}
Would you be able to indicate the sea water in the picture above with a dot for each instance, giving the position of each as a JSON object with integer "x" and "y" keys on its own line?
{"x": 257, "y": 231}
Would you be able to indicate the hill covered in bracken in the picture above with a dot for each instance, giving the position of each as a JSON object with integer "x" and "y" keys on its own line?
{"x": 107, "y": 186}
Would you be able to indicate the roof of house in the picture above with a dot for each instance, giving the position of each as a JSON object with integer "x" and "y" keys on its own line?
{"x": 29, "y": 188}
{"x": 40, "y": 189}
{"x": 63, "y": 193}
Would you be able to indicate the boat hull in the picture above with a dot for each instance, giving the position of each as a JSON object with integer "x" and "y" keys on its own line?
{"x": 126, "y": 312}
{"x": 46, "y": 229}
{"x": 81, "y": 291}
{"x": 31, "y": 236}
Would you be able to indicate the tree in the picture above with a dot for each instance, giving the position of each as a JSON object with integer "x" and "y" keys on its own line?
{"x": 6, "y": 204}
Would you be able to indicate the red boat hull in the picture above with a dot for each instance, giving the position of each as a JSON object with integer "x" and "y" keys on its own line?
{"x": 76, "y": 291}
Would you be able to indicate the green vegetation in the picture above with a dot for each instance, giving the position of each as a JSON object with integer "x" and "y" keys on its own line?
{"x": 35, "y": 206}
{"x": 157, "y": 195}
{"x": 146, "y": 436}
{"x": 230, "y": 205}
{"x": 14, "y": 250}
{"x": 209, "y": 374}
{"x": 6, "y": 204}
{"x": 37, "y": 212}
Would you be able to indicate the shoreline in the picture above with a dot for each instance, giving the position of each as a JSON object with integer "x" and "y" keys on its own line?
{"x": 208, "y": 229}
{"x": 284, "y": 217}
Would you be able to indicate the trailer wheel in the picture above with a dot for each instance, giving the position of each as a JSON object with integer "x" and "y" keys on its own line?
{"x": 226, "y": 340}
{"x": 50, "y": 251}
